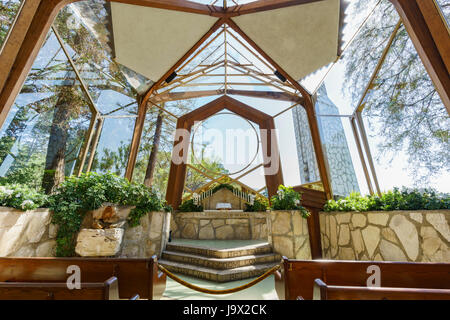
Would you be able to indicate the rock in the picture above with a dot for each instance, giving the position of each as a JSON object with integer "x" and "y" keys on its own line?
{"x": 343, "y": 217}
{"x": 391, "y": 252}
{"x": 189, "y": 231}
{"x": 358, "y": 243}
{"x": 236, "y": 221}
{"x": 431, "y": 243}
{"x": 283, "y": 246}
{"x": 371, "y": 236}
{"x": 416, "y": 216}
{"x": 204, "y": 222}
{"x": 438, "y": 221}
{"x": 282, "y": 223}
{"x": 99, "y": 243}
{"x": 304, "y": 252}
{"x": 378, "y": 218}
{"x": 359, "y": 220}
{"x": 37, "y": 222}
{"x": 346, "y": 254}
{"x": 46, "y": 249}
{"x": 225, "y": 233}
{"x": 333, "y": 232}
{"x": 242, "y": 232}
{"x": 407, "y": 234}
{"x": 298, "y": 222}
{"x": 206, "y": 233}
{"x": 52, "y": 230}
{"x": 389, "y": 234}
{"x": 25, "y": 251}
{"x": 218, "y": 222}
{"x": 344, "y": 235}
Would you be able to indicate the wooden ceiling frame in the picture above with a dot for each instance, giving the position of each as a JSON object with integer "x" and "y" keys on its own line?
{"x": 177, "y": 174}
{"x": 17, "y": 62}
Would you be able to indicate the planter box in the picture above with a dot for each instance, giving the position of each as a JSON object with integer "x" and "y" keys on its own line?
{"x": 418, "y": 236}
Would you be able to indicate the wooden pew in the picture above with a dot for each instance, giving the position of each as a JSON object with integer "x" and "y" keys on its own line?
{"x": 298, "y": 276}
{"x": 135, "y": 275}
{"x": 108, "y": 290}
{"x": 323, "y": 291}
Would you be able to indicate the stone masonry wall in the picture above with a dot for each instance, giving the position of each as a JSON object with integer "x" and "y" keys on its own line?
{"x": 26, "y": 234}
{"x": 147, "y": 239}
{"x": 418, "y": 236}
{"x": 289, "y": 234}
{"x": 219, "y": 225}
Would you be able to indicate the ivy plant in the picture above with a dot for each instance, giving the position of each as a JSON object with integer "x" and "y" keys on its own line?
{"x": 77, "y": 195}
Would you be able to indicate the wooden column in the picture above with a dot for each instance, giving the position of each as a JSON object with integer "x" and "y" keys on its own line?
{"x": 177, "y": 173}
{"x": 136, "y": 140}
{"x": 271, "y": 150}
{"x": 430, "y": 36}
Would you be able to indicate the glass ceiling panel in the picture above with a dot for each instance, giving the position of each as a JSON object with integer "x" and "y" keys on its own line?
{"x": 445, "y": 8}
{"x": 104, "y": 78}
{"x": 86, "y": 28}
{"x": 8, "y": 12}
{"x": 349, "y": 77}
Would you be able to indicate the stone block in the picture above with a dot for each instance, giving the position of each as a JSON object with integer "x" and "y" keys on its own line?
{"x": 371, "y": 236}
{"x": 99, "y": 242}
{"x": 359, "y": 220}
{"x": 438, "y": 221}
{"x": 380, "y": 219}
{"x": 407, "y": 234}
{"x": 391, "y": 252}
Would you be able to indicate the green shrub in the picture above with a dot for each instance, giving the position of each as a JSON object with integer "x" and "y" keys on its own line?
{"x": 259, "y": 205}
{"x": 190, "y": 206}
{"x": 22, "y": 197}
{"x": 288, "y": 199}
{"x": 77, "y": 195}
{"x": 405, "y": 199}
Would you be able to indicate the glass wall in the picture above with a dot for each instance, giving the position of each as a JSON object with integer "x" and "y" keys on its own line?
{"x": 47, "y": 124}
{"x": 8, "y": 11}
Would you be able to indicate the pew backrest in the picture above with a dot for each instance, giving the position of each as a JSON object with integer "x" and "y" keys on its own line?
{"x": 135, "y": 275}
{"x": 107, "y": 290}
{"x": 322, "y": 291}
{"x": 299, "y": 275}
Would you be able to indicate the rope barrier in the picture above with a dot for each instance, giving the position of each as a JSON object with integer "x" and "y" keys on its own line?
{"x": 225, "y": 291}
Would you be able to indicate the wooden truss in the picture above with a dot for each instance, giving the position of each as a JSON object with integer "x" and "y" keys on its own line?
{"x": 422, "y": 20}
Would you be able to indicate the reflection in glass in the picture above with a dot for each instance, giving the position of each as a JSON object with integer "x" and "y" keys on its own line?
{"x": 45, "y": 129}
{"x": 8, "y": 12}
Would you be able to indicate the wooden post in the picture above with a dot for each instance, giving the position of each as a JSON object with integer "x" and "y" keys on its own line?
{"x": 430, "y": 35}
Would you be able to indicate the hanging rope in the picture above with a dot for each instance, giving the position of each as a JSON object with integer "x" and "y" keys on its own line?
{"x": 226, "y": 291}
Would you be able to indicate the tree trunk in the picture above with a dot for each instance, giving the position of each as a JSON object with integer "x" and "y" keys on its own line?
{"x": 148, "y": 181}
{"x": 55, "y": 159}
{"x": 14, "y": 130}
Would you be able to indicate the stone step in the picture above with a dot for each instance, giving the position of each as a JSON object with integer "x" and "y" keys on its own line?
{"x": 249, "y": 250}
{"x": 217, "y": 275}
{"x": 220, "y": 263}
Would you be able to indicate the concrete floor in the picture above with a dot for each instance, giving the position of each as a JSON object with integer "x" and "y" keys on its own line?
{"x": 264, "y": 290}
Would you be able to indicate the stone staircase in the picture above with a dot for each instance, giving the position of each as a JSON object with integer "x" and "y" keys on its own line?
{"x": 218, "y": 264}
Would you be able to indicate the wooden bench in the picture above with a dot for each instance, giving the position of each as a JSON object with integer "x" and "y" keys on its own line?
{"x": 298, "y": 276}
{"x": 108, "y": 290}
{"x": 136, "y": 276}
{"x": 323, "y": 291}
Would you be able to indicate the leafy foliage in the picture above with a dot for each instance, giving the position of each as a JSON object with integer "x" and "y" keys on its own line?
{"x": 190, "y": 206}
{"x": 76, "y": 195}
{"x": 259, "y": 205}
{"x": 288, "y": 199}
{"x": 396, "y": 199}
{"x": 21, "y": 197}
